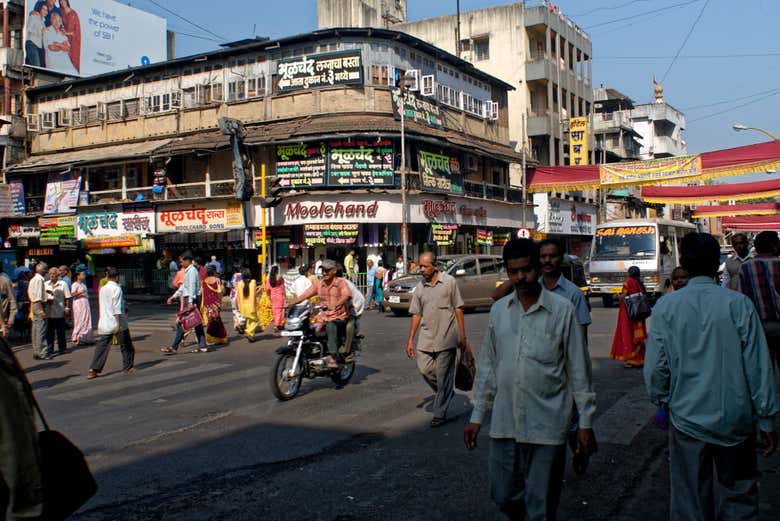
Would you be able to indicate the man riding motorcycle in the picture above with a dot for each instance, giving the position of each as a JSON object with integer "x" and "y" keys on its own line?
{"x": 334, "y": 295}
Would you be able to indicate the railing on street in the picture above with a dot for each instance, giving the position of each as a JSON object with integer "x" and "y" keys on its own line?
{"x": 132, "y": 278}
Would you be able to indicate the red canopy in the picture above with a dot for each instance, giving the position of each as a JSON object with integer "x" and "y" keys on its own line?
{"x": 737, "y": 210}
{"x": 733, "y": 161}
{"x": 752, "y": 223}
{"x": 704, "y": 193}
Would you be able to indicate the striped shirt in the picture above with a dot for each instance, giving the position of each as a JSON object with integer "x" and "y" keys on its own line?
{"x": 759, "y": 280}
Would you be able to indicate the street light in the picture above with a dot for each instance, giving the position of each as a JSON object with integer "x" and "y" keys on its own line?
{"x": 403, "y": 82}
{"x": 737, "y": 127}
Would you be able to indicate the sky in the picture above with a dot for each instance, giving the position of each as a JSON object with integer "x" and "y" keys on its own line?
{"x": 717, "y": 80}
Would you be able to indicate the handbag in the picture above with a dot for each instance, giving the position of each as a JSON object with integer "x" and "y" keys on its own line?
{"x": 637, "y": 306}
{"x": 465, "y": 371}
{"x": 67, "y": 481}
{"x": 189, "y": 318}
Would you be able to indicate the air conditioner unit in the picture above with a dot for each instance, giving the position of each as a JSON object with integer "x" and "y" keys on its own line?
{"x": 428, "y": 86}
{"x": 33, "y": 122}
{"x": 64, "y": 117}
{"x": 413, "y": 80}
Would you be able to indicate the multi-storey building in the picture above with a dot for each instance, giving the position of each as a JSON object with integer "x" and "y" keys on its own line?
{"x": 12, "y": 132}
{"x": 134, "y": 161}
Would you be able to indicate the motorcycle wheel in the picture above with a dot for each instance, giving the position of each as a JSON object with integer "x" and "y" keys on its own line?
{"x": 284, "y": 387}
{"x": 344, "y": 374}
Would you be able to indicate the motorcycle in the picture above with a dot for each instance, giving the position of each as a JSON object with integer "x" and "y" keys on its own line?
{"x": 306, "y": 355}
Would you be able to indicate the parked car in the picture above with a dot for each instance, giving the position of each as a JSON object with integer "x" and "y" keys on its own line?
{"x": 477, "y": 277}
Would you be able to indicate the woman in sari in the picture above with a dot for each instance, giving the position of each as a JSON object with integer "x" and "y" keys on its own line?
{"x": 629, "y": 343}
{"x": 82, "y": 314}
{"x": 238, "y": 320}
{"x": 246, "y": 301}
{"x": 211, "y": 307}
{"x": 274, "y": 285}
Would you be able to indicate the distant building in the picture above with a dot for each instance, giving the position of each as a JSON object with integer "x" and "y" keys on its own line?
{"x": 12, "y": 129}
{"x": 360, "y": 13}
{"x": 537, "y": 50}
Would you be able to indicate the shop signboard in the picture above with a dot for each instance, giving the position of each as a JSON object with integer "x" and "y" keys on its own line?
{"x": 439, "y": 172}
{"x": 17, "y": 196}
{"x": 62, "y": 193}
{"x": 501, "y": 238}
{"x": 569, "y": 217}
{"x": 326, "y": 234}
{"x": 360, "y": 163}
{"x": 443, "y": 234}
{"x": 301, "y": 164}
{"x": 200, "y": 217}
{"x": 578, "y": 141}
{"x": 115, "y": 224}
{"x": 485, "y": 237}
{"x": 26, "y": 231}
{"x": 416, "y": 109}
{"x": 320, "y": 70}
{"x": 122, "y": 241}
{"x": 57, "y": 230}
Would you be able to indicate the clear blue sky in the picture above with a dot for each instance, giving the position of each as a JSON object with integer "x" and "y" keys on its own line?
{"x": 620, "y": 50}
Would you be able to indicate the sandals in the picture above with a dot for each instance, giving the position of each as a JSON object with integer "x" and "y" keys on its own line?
{"x": 92, "y": 374}
{"x": 168, "y": 351}
{"x": 200, "y": 350}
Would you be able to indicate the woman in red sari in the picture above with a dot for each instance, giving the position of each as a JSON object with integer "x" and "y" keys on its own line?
{"x": 73, "y": 31}
{"x": 213, "y": 290}
{"x": 629, "y": 343}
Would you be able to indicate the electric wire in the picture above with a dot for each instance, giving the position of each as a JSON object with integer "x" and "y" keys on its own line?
{"x": 616, "y": 20}
{"x": 687, "y": 36}
{"x": 708, "y": 116}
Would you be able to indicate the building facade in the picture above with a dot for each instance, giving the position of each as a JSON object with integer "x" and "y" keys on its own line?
{"x": 134, "y": 161}
{"x": 12, "y": 131}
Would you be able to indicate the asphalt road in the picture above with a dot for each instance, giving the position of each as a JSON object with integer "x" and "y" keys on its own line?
{"x": 200, "y": 437}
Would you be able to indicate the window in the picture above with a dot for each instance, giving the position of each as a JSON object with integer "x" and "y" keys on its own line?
{"x": 255, "y": 87}
{"x": 487, "y": 266}
{"x": 131, "y": 108}
{"x": 482, "y": 49}
{"x": 465, "y": 45}
{"x": 236, "y": 90}
{"x": 152, "y": 104}
{"x": 469, "y": 266}
{"x": 217, "y": 93}
{"x": 114, "y": 110}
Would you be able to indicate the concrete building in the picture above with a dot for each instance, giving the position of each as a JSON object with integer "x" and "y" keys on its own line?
{"x": 360, "y": 13}
{"x": 133, "y": 161}
{"x": 543, "y": 54}
{"x": 12, "y": 131}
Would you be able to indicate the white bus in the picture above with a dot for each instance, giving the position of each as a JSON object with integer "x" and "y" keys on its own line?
{"x": 652, "y": 245}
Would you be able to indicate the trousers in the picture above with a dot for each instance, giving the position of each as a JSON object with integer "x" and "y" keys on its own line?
{"x": 438, "y": 370}
{"x": 335, "y": 330}
{"x": 526, "y": 479}
{"x": 103, "y": 345}
{"x": 711, "y": 481}
{"x": 56, "y": 326}
{"x": 200, "y": 334}
{"x": 38, "y": 336}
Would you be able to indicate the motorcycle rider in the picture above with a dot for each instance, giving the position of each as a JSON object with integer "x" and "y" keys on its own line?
{"x": 334, "y": 295}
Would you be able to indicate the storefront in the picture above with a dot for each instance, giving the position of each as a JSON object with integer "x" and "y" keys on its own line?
{"x": 571, "y": 222}
{"x": 304, "y": 227}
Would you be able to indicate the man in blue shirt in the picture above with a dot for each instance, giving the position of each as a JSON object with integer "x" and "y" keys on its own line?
{"x": 189, "y": 294}
{"x": 707, "y": 361}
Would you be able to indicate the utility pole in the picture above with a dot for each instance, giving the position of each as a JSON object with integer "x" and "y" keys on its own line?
{"x": 523, "y": 166}
{"x": 404, "y": 231}
{"x": 457, "y": 30}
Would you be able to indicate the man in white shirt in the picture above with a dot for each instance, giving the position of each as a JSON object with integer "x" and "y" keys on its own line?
{"x": 318, "y": 266}
{"x": 730, "y": 276}
{"x": 533, "y": 367}
{"x": 112, "y": 324}
{"x": 57, "y": 308}
{"x": 301, "y": 284}
{"x": 36, "y": 292}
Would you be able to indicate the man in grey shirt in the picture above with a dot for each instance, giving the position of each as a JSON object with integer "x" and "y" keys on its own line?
{"x": 436, "y": 307}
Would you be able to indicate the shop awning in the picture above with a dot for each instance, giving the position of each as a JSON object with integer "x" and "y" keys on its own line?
{"x": 709, "y": 165}
{"x": 752, "y": 223}
{"x": 705, "y": 193}
{"x": 341, "y": 126}
{"x": 61, "y": 160}
{"x": 736, "y": 210}
{"x": 193, "y": 143}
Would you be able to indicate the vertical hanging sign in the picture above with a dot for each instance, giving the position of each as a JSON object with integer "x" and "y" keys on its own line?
{"x": 578, "y": 141}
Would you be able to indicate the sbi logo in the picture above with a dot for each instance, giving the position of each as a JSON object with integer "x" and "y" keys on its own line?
{"x": 145, "y": 60}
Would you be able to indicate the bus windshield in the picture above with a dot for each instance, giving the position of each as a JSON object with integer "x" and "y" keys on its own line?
{"x": 624, "y": 242}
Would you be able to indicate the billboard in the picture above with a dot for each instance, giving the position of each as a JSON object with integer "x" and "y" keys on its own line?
{"x": 88, "y": 37}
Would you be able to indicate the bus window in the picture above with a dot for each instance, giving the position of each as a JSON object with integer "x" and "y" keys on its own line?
{"x": 624, "y": 243}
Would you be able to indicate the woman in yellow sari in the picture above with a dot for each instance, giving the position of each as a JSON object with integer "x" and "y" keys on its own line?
{"x": 253, "y": 305}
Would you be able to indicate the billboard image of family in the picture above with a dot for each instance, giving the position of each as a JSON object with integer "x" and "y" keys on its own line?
{"x": 87, "y": 37}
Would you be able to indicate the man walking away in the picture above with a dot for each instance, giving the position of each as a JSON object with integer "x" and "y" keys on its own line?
{"x": 532, "y": 369}
{"x": 58, "y": 307}
{"x": 189, "y": 292}
{"x": 36, "y": 291}
{"x": 730, "y": 276}
{"x": 707, "y": 360}
{"x": 112, "y": 326}
{"x": 759, "y": 280}
{"x": 437, "y": 311}
{"x": 370, "y": 276}
{"x": 349, "y": 265}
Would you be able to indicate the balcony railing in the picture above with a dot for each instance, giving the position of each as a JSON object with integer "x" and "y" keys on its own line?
{"x": 199, "y": 190}
{"x": 489, "y": 191}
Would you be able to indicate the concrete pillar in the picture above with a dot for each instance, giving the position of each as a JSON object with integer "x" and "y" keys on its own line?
{"x": 559, "y": 131}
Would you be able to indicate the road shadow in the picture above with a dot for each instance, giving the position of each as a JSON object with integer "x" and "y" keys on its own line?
{"x": 40, "y": 366}
{"x": 52, "y": 382}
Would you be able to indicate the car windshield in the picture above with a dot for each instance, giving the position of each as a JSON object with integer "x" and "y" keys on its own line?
{"x": 625, "y": 242}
